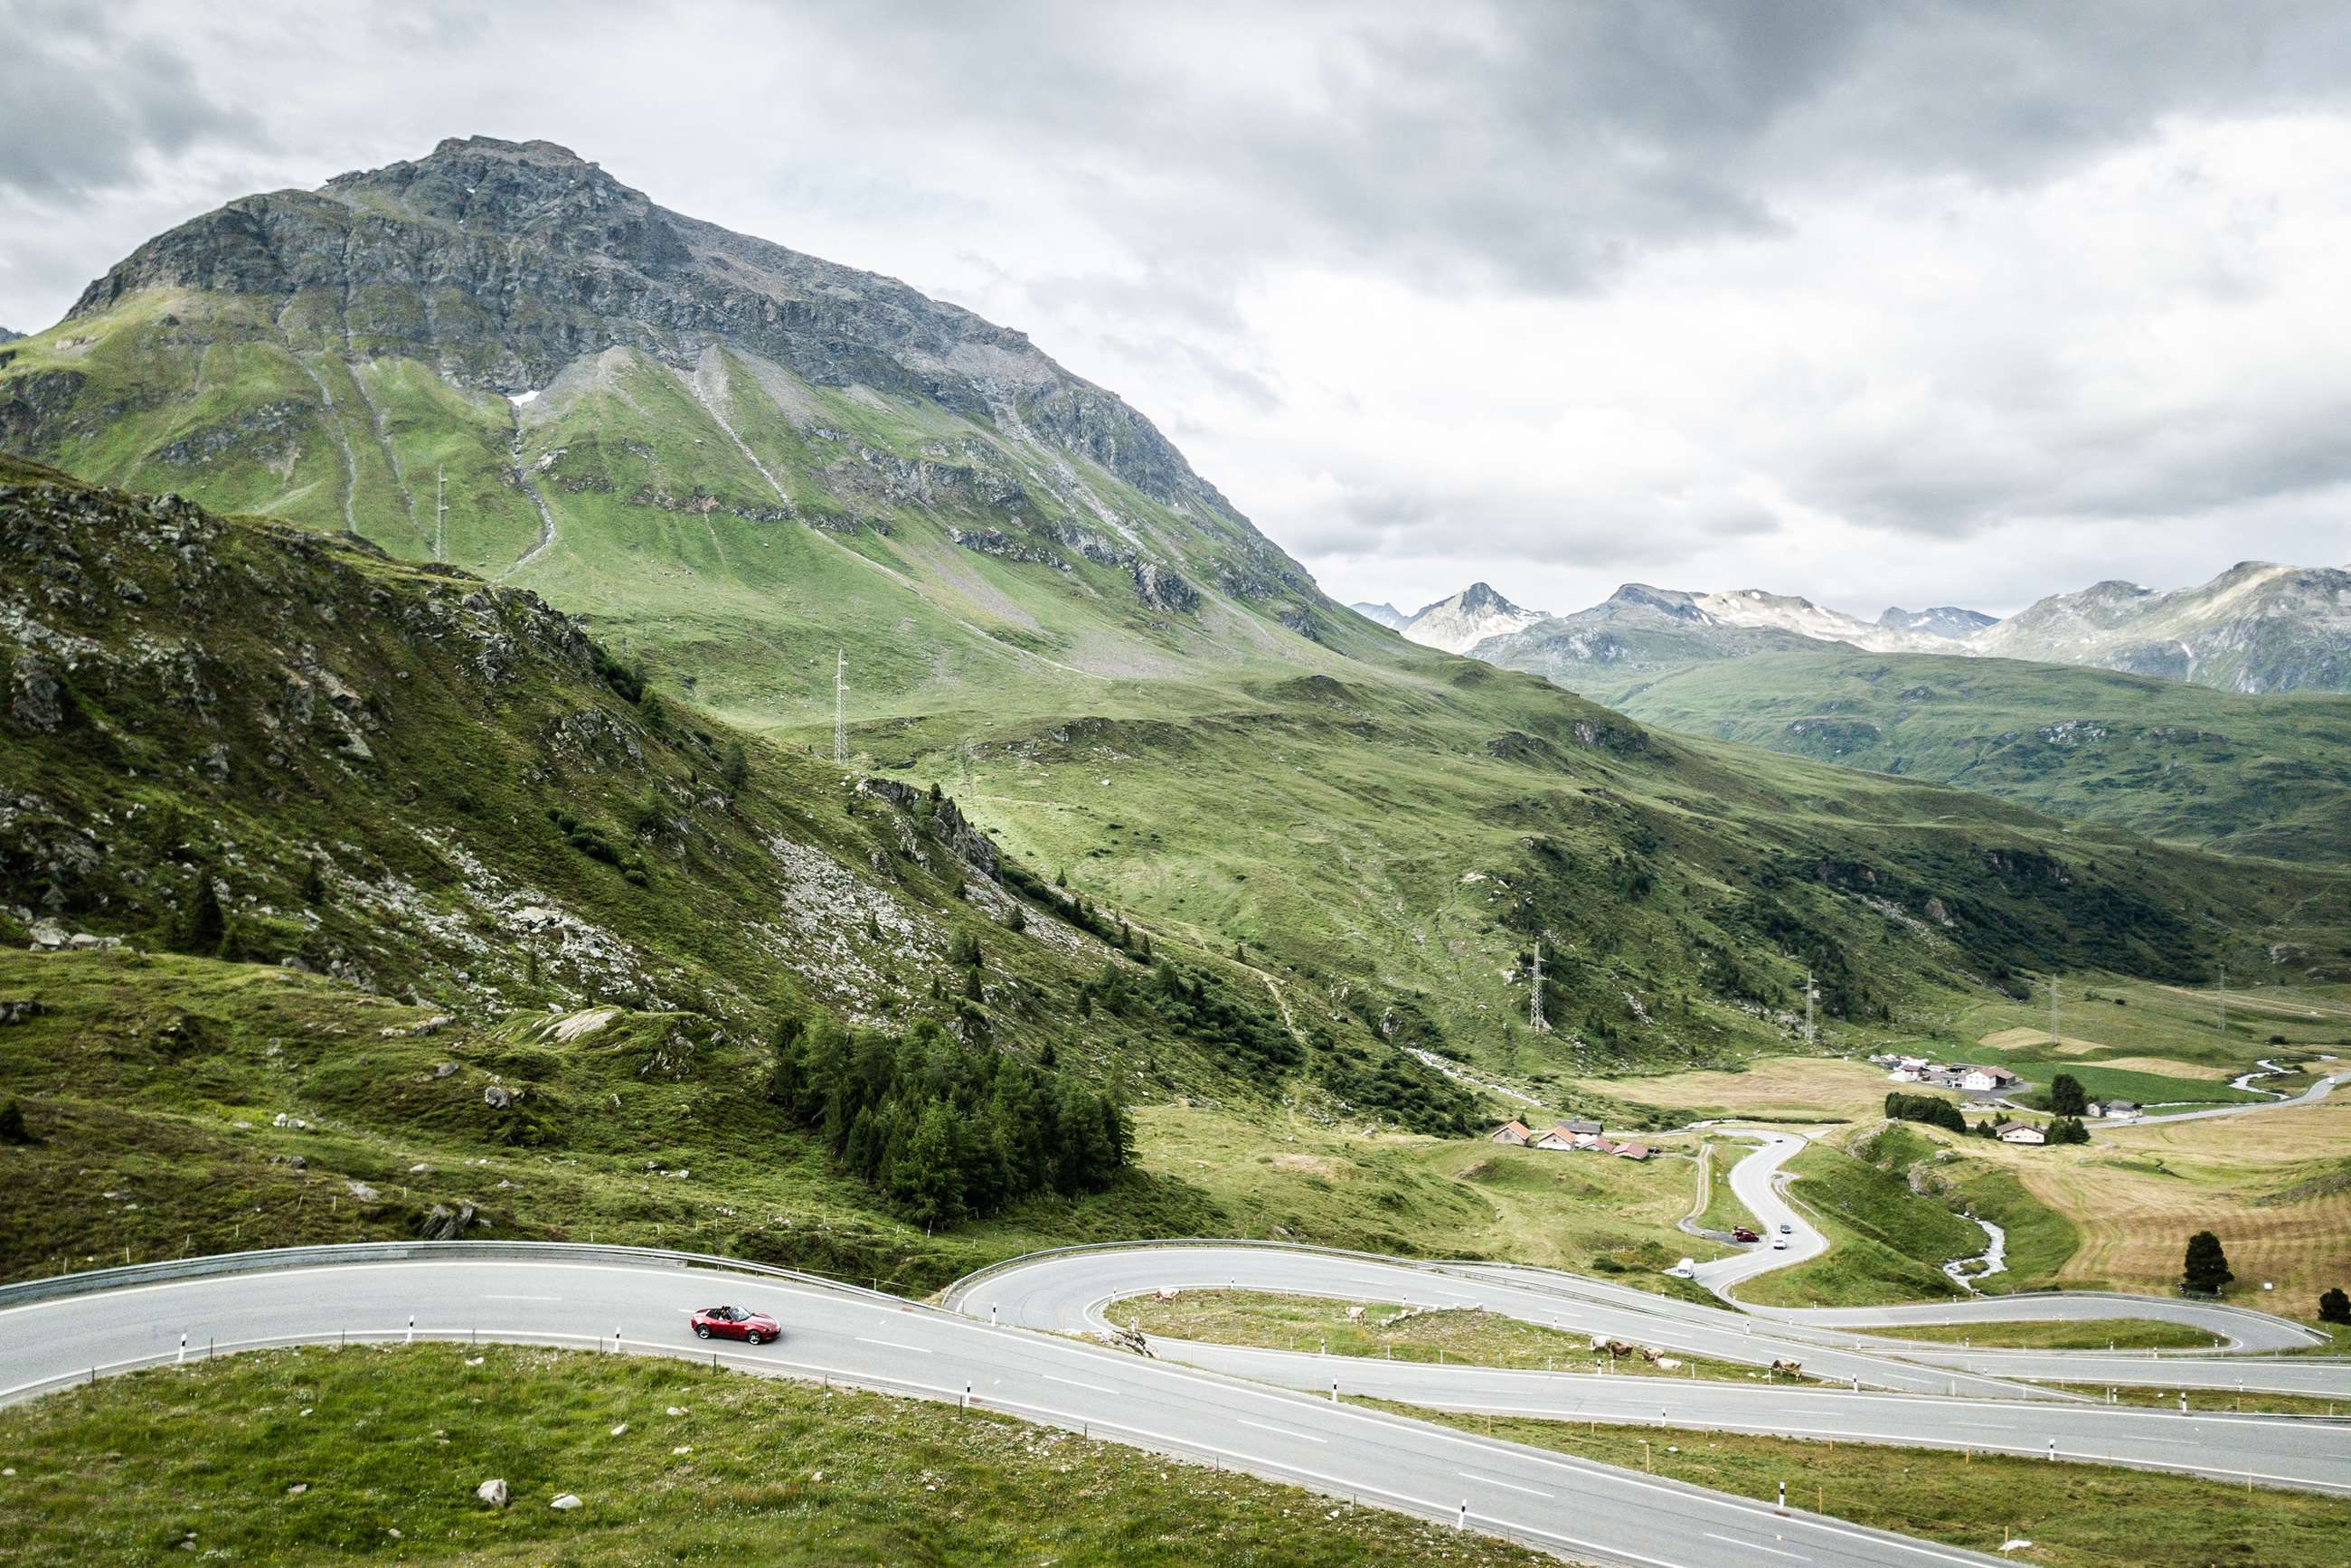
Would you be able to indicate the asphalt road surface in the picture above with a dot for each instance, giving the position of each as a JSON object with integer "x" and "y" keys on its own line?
{"x": 1577, "y": 1510}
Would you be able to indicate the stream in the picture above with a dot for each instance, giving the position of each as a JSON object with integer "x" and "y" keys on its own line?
{"x": 2269, "y": 1069}
{"x": 1994, "y": 1257}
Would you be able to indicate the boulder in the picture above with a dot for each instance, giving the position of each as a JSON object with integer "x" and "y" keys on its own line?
{"x": 447, "y": 1070}
{"x": 498, "y": 1096}
{"x": 567, "y": 1502}
{"x": 442, "y": 1223}
{"x": 49, "y": 933}
{"x": 492, "y": 1491}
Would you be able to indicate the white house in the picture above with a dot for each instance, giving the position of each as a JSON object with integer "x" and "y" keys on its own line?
{"x": 2020, "y": 1132}
{"x": 1981, "y": 1080}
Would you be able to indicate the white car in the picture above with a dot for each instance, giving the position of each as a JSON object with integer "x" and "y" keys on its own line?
{"x": 1779, "y": 1244}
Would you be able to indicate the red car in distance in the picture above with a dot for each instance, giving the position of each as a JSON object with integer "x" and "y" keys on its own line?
{"x": 1740, "y": 1233}
{"x": 734, "y": 1323}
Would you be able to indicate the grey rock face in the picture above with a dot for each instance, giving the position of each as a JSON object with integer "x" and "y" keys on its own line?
{"x": 36, "y": 702}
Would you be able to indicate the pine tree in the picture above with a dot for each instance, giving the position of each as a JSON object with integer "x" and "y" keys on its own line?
{"x": 2206, "y": 1267}
{"x": 13, "y": 1130}
{"x": 735, "y": 769}
{"x": 787, "y": 1080}
{"x": 314, "y": 883}
{"x": 2333, "y": 1307}
{"x": 2066, "y": 1097}
{"x": 201, "y": 923}
{"x": 927, "y": 1183}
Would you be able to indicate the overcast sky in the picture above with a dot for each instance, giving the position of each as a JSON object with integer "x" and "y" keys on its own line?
{"x": 1908, "y": 303}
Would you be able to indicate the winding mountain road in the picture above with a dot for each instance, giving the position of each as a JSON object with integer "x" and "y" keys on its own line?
{"x": 1269, "y": 1412}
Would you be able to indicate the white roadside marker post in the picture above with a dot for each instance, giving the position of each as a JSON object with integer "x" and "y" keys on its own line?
{"x": 412, "y": 1329}
{"x": 1463, "y": 1522}
{"x": 183, "y": 1347}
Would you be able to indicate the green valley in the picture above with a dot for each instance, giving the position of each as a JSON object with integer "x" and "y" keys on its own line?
{"x": 2243, "y": 774}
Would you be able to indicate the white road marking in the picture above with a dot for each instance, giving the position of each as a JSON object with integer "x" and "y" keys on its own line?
{"x": 1754, "y": 1546}
{"x": 1281, "y": 1431}
{"x": 1074, "y": 1382}
{"x": 1513, "y": 1486}
{"x": 522, "y": 1298}
{"x": 892, "y": 1344}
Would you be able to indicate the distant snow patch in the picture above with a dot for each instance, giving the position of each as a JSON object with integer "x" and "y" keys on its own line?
{"x": 522, "y": 398}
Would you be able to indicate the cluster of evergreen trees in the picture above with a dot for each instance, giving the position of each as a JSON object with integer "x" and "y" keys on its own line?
{"x": 943, "y": 1132}
{"x": 1241, "y": 1038}
{"x": 1931, "y": 1109}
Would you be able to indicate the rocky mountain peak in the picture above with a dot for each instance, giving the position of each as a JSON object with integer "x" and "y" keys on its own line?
{"x": 1460, "y": 623}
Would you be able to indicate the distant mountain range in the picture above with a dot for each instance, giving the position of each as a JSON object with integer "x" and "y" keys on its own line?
{"x": 2256, "y": 628}
{"x": 1387, "y": 615}
{"x": 8, "y": 337}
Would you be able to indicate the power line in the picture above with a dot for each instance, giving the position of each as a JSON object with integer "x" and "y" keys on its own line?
{"x": 1534, "y": 998}
{"x": 840, "y": 706}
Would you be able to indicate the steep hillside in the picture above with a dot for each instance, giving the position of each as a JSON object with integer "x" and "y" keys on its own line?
{"x": 2268, "y": 775}
{"x": 740, "y": 464}
{"x": 450, "y": 885}
{"x": 2254, "y": 628}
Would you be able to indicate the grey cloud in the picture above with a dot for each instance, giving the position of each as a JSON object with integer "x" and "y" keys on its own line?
{"x": 85, "y": 105}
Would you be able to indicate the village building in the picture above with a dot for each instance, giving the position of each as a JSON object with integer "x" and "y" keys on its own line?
{"x": 1982, "y": 1080}
{"x": 2020, "y": 1132}
{"x": 1511, "y": 1131}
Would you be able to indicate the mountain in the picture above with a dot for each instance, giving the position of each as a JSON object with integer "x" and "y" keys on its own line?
{"x": 2240, "y": 775}
{"x": 1387, "y": 615}
{"x": 1751, "y": 607}
{"x": 1944, "y": 621}
{"x": 775, "y": 491}
{"x": 1459, "y": 624}
{"x": 2254, "y": 628}
{"x": 1638, "y": 628}
{"x": 595, "y": 383}
{"x": 8, "y": 337}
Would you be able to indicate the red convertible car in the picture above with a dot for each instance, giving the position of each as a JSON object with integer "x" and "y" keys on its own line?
{"x": 734, "y": 1322}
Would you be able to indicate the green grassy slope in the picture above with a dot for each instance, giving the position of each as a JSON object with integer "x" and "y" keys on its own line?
{"x": 412, "y": 796}
{"x": 360, "y": 1455}
{"x": 2244, "y": 775}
